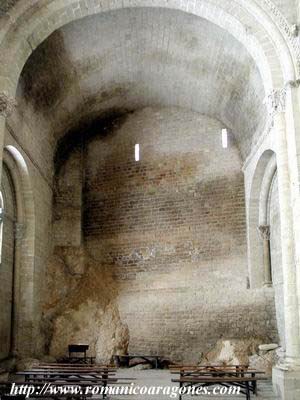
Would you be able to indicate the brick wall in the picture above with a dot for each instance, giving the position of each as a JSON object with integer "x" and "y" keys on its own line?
{"x": 171, "y": 230}
{"x": 67, "y": 211}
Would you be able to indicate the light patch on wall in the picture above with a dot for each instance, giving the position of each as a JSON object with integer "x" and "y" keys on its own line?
{"x": 137, "y": 152}
{"x": 224, "y": 138}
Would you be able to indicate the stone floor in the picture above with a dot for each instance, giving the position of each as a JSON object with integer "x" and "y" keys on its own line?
{"x": 163, "y": 378}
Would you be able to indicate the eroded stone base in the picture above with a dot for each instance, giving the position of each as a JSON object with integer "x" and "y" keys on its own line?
{"x": 81, "y": 307}
{"x": 286, "y": 384}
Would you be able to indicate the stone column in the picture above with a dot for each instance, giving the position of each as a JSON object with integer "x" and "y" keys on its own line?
{"x": 293, "y": 142}
{"x": 19, "y": 229}
{"x": 286, "y": 376}
{"x": 264, "y": 231}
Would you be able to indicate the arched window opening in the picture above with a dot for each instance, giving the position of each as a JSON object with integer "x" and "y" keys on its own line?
{"x": 259, "y": 229}
{"x": 264, "y": 219}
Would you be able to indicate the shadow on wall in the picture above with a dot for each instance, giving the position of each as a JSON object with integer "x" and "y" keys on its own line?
{"x": 47, "y": 74}
{"x": 81, "y": 293}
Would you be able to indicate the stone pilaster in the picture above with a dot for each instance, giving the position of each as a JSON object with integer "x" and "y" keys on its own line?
{"x": 286, "y": 376}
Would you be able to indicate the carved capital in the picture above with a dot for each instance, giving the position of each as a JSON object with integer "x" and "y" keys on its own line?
{"x": 276, "y": 101}
{"x": 293, "y": 84}
{"x": 7, "y": 105}
{"x": 295, "y": 30}
{"x": 264, "y": 231}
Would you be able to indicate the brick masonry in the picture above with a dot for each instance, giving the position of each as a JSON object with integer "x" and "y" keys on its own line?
{"x": 171, "y": 230}
{"x": 157, "y": 224}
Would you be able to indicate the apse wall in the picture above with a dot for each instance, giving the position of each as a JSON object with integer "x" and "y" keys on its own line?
{"x": 169, "y": 230}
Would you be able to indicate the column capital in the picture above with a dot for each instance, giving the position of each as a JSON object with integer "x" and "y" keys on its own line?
{"x": 7, "y": 105}
{"x": 293, "y": 84}
{"x": 264, "y": 231}
{"x": 295, "y": 30}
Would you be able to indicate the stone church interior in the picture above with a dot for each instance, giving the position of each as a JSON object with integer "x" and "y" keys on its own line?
{"x": 150, "y": 193}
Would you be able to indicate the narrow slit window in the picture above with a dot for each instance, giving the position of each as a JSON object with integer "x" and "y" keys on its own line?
{"x": 137, "y": 152}
{"x": 224, "y": 138}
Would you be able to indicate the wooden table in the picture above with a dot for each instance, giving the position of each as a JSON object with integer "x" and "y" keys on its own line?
{"x": 80, "y": 349}
{"x": 155, "y": 360}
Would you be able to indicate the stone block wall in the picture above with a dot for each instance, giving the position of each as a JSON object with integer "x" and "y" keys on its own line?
{"x": 67, "y": 211}
{"x": 276, "y": 258}
{"x": 26, "y": 132}
{"x": 7, "y": 227}
{"x": 170, "y": 231}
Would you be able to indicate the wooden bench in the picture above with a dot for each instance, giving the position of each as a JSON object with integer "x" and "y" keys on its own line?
{"x": 213, "y": 367}
{"x": 71, "y": 369}
{"x": 72, "y": 378}
{"x": 5, "y": 388}
{"x": 209, "y": 369}
{"x": 74, "y": 370}
{"x": 67, "y": 376}
{"x": 244, "y": 382}
{"x": 73, "y": 365}
{"x": 247, "y": 378}
{"x": 155, "y": 360}
{"x": 47, "y": 375}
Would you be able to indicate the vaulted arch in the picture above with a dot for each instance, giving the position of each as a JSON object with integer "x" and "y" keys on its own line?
{"x": 261, "y": 29}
